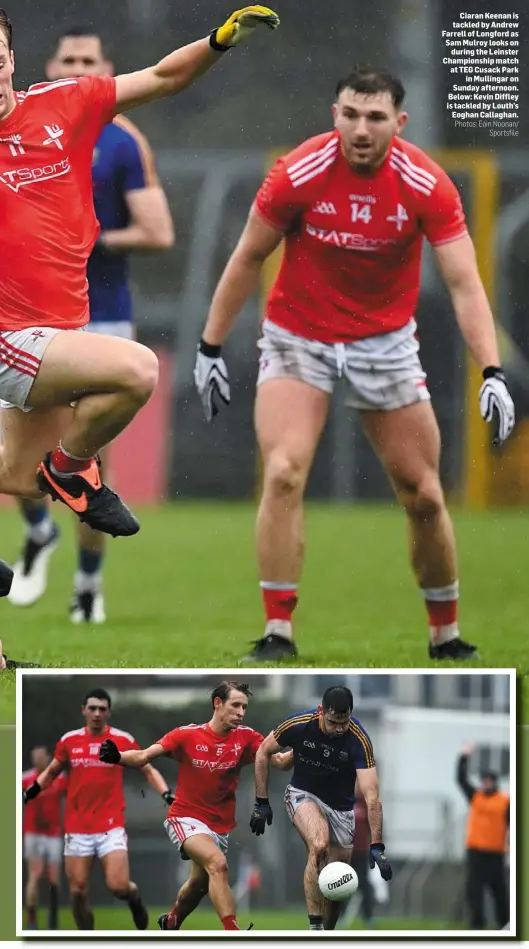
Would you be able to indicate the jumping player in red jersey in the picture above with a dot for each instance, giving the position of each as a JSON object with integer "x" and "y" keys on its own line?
{"x": 47, "y": 138}
{"x": 94, "y": 819}
{"x": 210, "y": 759}
{"x": 42, "y": 830}
{"x": 352, "y": 207}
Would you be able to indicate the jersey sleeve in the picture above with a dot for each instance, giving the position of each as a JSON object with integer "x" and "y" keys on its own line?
{"x": 61, "y": 752}
{"x": 97, "y": 96}
{"x": 286, "y": 734}
{"x": 136, "y": 163}
{"x": 277, "y": 200}
{"x": 364, "y": 755}
{"x": 255, "y": 741}
{"x": 173, "y": 741}
{"x": 442, "y": 215}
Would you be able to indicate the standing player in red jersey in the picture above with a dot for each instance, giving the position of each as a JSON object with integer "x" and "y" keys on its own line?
{"x": 352, "y": 207}
{"x": 42, "y": 829}
{"x": 94, "y": 819}
{"x": 210, "y": 759}
{"x": 47, "y": 139}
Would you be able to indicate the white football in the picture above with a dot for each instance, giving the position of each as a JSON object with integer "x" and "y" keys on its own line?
{"x": 338, "y": 881}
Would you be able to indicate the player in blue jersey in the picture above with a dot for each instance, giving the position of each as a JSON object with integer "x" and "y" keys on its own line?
{"x": 332, "y": 754}
{"x": 134, "y": 215}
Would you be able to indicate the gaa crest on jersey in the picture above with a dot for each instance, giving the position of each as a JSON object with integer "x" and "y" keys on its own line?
{"x": 94, "y": 749}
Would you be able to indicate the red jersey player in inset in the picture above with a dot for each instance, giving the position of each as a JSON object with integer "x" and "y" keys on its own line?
{"x": 210, "y": 758}
{"x": 49, "y": 228}
{"x": 352, "y": 207}
{"x": 94, "y": 818}
{"x": 42, "y": 829}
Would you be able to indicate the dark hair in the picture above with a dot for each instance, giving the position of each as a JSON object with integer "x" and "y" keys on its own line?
{"x": 370, "y": 80}
{"x": 337, "y": 698}
{"x": 79, "y": 30}
{"x": 100, "y": 694}
{"x": 5, "y": 25}
{"x": 223, "y": 689}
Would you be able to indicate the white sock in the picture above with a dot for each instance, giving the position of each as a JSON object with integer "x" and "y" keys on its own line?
{"x": 41, "y": 533}
{"x": 87, "y": 582}
{"x": 279, "y": 627}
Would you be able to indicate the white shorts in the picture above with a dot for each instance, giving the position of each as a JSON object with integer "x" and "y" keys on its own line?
{"x": 42, "y": 847}
{"x": 21, "y": 353}
{"x": 341, "y": 823}
{"x": 95, "y": 845}
{"x": 180, "y": 828}
{"x": 124, "y": 329}
{"x": 382, "y": 372}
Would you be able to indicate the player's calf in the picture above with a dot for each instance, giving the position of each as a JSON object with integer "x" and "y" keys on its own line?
{"x": 130, "y": 894}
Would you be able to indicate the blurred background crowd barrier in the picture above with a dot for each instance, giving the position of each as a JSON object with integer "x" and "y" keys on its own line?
{"x": 214, "y": 143}
{"x": 417, "y": 723}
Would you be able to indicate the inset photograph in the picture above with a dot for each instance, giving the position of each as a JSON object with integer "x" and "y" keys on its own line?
{"x": 331, "y": 801}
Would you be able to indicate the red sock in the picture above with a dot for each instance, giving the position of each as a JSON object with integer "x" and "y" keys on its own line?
{"x": 279, "y": 604}
{"x": 441, "y": 613}
{"x": 172, "y": 920}
{"x": 230, "y": 922}
{"x": 67, "y": 464}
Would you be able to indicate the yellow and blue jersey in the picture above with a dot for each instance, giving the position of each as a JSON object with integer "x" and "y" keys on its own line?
{"x": 326, "y": 765}
{"x": 122, "y": 162}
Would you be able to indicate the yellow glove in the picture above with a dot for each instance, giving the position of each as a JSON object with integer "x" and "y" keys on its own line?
{"x": 241, "y": 24}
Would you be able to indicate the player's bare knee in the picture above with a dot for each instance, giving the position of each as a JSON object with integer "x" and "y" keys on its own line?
{"x": 142, "y": 374}
{"x": 319, "y": 851}
{"x": 425, "y": 500}
{"x": 217, "y": 865}
{"x": 283, "y": 476}
{"x": 78, "y": 890}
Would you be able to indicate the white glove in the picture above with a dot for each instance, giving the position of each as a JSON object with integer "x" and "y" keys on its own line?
{"x": 211, "y": 379}
{"x": 496, "y": 404}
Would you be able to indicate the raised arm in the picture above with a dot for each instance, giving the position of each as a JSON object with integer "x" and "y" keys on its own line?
{"x": 185, "y": 65}
{"x": 44, "y": 780}
{"x": 467, "y": 788}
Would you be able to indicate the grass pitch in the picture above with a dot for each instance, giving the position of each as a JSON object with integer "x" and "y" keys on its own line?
{"x": 184, "y": 593}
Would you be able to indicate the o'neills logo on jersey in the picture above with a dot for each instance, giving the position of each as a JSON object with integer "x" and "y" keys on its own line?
{"x": 29, "y": 176}
{"x": 348, "y": 241}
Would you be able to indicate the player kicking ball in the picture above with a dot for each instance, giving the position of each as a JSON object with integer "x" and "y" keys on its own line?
{"x": 210, "y": 758}
{"x": 332, "y": 752}
{"x": 94, "y": 817}
{"x": 352, "y": 207}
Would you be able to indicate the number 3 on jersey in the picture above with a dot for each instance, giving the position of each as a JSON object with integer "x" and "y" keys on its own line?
{"x": 360, "y": 212}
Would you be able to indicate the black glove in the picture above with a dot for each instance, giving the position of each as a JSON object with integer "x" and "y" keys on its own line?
{"x": 377, "y": 855}
{"x": 168, "y": 797}
{"x": 31, "y": 792}
{"x": 109, "y": 752}
{"x": 261, "y": 816}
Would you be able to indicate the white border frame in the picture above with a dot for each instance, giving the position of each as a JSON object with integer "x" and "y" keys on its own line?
{"x": 294, "y": 935}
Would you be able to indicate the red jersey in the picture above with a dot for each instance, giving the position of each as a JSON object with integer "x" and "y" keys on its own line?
{"x": 95, "y": 802}
{"x": 49, "y": 225}
{"x": 43, "y": 814}
{"x": 352, "y": 247}
{"x": 209, "y": 770}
